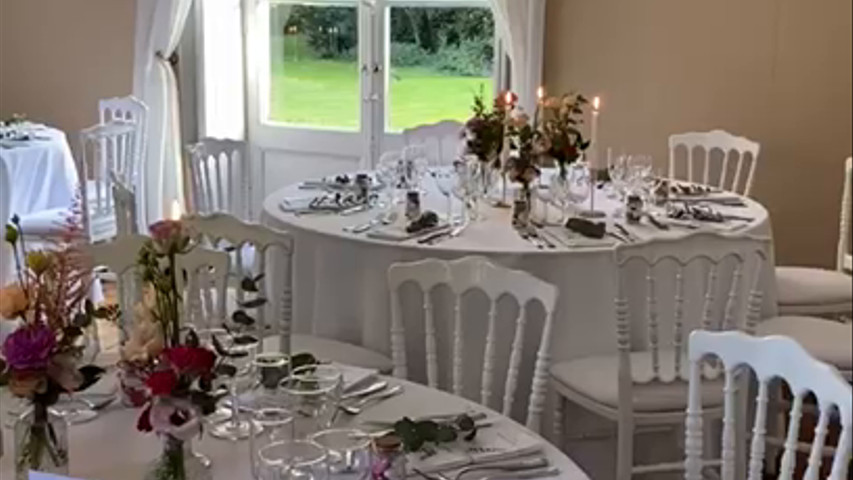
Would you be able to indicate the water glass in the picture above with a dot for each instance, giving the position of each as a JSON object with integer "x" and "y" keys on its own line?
{"x": 269, "y": 426}
{"x": 445, "y": 180}
{"x": 618, "y": 170}
{"x": 347, "y": 450}
{"x": 293, "y": 460}
{"x": 312, "y": 393}
{"x": 578, "y": 186}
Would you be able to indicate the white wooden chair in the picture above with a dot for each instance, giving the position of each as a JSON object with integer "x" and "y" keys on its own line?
{"x": 769, "y": 358}
{"x": 441, "y": 141}
{"x": 204, "y": 282}
{"x": 276, "y": 317}
{"x": 124, "y": 205}
{"x": 219, "y": 177}
{"x": 666, "y": 289}
{"x": 119, "y": 257}
{"x": 741, "y": 149}
{"x": 6, "y": 262}
{"x": 816, "y": 291}
{"x": 462, "y": 276}
{"x": 131, "y": 110}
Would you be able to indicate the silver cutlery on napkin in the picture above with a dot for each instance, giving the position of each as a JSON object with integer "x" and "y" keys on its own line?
{"x": 359, "y": 406}
{"x": 367, "y": 391}
{"x": 445, "y": 235}
{"x": 532, "y": 464}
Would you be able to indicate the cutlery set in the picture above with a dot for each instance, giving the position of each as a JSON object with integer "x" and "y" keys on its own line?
{"x": 535, "y": 467}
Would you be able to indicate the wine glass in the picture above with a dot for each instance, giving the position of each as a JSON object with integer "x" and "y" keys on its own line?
{"x": 618, "y": 172}
{"x": 445, "y": 180}
{"x": 312, "y": 393}
{"x": 241, "y": 356}
{"x": 578, "y": 183}
{"x": 415, "y": 165}
{"x": 348, "y": 450}
{"x": 389, "y": 175}
{"x": 560, "y": 194}
{"x": 292, "y": 460}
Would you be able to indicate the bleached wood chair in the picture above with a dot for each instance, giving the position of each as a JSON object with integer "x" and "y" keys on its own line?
{"x": 769, "y": 358}
{"x": 275, "y": 319}
{"x": 130, "y": 109}
{"x": 6, "y": 262}
{"x": 124, "y": 204}
{"x": 204, "y": 283}
{"x": 741, "y": 149}
{"x": 219, "y": 177}
{"x": 643, "y": 383}
{"x": 119, "y": 257}
{"x": 441, "y": 141}
{"x": 817, "y": 291}
{"x": 462, "y": 276}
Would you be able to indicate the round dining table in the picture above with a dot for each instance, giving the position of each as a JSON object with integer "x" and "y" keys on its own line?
{"x": 110, "y": 448}
{"x": 340, "y": 286}
{"x": 42, "y": 172}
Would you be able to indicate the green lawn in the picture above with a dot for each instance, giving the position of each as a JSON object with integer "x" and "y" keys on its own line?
{"x": 325, "y": 93}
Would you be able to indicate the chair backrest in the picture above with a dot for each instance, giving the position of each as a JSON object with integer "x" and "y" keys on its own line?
{"x": 462, "y": 276}
{"x": 131, "y": 110}
{"x": 203, "y": 280}
{"x": 105, "y": 150}
{"x": 219, "y": 228}
{"x": 5, "y": 215}
{"x": 670, "y": 287}
{"x": 119, "y": 256}
{"x": 744, "y": 150}
{"x": 219, "y": 177}
{"x": 845, "y": 259}
{"x": 769, "y": 358}
{"x": 124, "y": 203}
{"x": 441, "y": 141}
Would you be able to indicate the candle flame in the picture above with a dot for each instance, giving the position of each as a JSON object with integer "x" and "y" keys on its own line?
{"x": 596, "y": 103}
{"x": 540, "y": 93}
{"x": 176, "y": 210}
{"x": 509, "y": 98}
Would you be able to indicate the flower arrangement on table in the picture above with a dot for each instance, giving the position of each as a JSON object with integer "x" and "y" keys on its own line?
{"x": 484, "y": 132}
{"x": 559, "y": 121}
{"x": 49, "y": 301}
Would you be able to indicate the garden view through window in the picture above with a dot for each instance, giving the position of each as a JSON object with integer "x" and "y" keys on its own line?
{"x": 439, "y": 59}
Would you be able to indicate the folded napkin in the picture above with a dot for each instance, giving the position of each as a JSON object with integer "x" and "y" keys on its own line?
{"x": 48, "y": 476}
{"x": 398, "y": 233}
{"x": 356, "y": 377}
{"x": 501, "y": 441}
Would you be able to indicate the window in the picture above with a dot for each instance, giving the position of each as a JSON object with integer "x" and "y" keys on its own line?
{"x": 436, "y": 59}
{"x": 440, "y": 57}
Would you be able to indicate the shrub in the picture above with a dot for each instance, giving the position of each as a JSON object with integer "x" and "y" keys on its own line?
{"x": 468, "y": 58}
{"x": 409, "y": 55}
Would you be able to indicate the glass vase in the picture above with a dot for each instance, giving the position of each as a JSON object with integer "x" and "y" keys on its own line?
{"x": 41, "y": 442}
{"x": 177, "y": 462}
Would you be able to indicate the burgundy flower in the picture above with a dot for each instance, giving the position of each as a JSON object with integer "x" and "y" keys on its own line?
{"x": 29, "y": 347}
{"x": 168, "y": 235}
{"x": 162, "y": 382}
{"x": 143, "y": 423}
{"x": 191, "y": 360}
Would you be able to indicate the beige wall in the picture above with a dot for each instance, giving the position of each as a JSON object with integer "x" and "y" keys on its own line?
{"x": 777, "y": 71}
{"x": 58, "y": 57}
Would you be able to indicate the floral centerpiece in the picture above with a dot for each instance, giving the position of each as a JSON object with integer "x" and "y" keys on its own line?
{"x": 484, "y": 131}
{"x": 49, "y": 301}
{"x": 177, "y": 371}
{"x": 558, "y": 119}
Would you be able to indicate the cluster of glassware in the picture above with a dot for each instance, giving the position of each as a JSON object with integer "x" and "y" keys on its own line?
{"x": 286, "y": 415}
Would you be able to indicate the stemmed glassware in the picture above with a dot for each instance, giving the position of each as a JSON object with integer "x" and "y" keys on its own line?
{"x": 445, "y": 181}
{"x": 348, "y": 451}
{"x": 618, "y": 172}
{"x": 578, "y": 187}
{"x": 241, "y": 356}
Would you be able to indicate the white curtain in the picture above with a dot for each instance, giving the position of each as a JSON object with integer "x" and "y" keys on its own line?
{"x": 520, "y": 24}
{"x": 159, "y": 24}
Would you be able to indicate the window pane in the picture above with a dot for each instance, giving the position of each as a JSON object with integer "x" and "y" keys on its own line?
{"x": 440, "y": 57}
{"x": 314, "y": 66}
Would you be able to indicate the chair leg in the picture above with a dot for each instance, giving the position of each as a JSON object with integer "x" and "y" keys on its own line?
{"x": 625, "y": 448}
{"x": 559, "y": 406}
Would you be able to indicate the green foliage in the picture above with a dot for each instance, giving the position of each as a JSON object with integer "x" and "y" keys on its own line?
{"x": 421, "y": 435}
{"x": 467, "y": 58}
{"x": 409, "y": 55}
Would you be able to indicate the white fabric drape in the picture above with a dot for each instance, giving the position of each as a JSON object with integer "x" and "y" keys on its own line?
{"x": 520, "y": 25}
{"x": 159, "y": 24}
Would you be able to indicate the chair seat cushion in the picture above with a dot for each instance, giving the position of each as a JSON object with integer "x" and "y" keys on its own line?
{"x": 827, "y": 340}
{"x": 597, "y": 378}
{"x": 340, "y": 352}
{"x": 802, "y": 289}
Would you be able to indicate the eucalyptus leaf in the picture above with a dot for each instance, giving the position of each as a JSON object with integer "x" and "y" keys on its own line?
{"x": 81, "y": 320}
{"x": 242, "y": 318}
{"x": 91, "y": 375}
{"x": 244, "y": 340}
{"x": 248, "y": 285}
{"x": 258, "y": 277}
{"x": 254, "y": 303}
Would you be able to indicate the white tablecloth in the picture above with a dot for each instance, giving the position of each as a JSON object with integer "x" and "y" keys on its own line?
{"x": 110, "y": 448}
{"x": 341, "y": 291}
{"x": 42, "y": 172}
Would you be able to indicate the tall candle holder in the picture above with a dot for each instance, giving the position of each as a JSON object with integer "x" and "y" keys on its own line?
{"x": 593, "y": 187}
